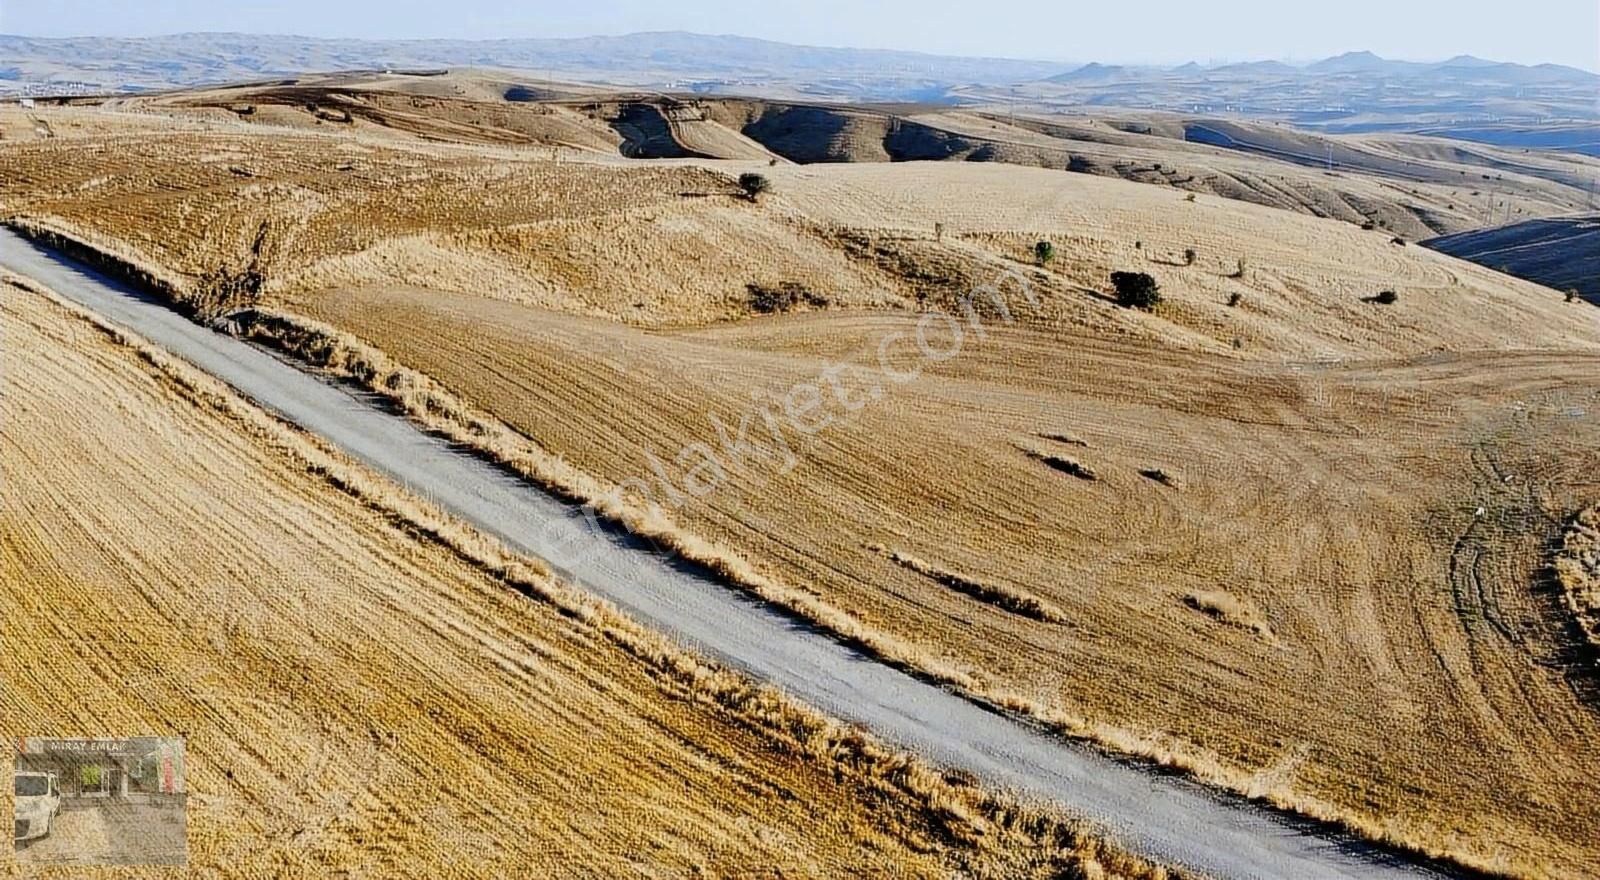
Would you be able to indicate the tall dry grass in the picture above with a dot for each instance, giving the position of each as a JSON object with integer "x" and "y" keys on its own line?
{"x": 1577, "y": 567}
{"x": 1010, "y": 598}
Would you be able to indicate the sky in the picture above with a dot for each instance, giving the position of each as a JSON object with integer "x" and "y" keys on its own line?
{"x": 1110, "y": 31}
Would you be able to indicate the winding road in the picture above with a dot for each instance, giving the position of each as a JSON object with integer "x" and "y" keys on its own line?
{"x": 1163, "y": 817}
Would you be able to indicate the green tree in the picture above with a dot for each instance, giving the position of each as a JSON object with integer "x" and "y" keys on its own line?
{"x": 754, "y": 184}
{"x": 1044, "y": 252}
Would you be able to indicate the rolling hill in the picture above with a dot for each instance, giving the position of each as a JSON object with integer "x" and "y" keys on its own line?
{"x": 1279, "y": 532}
{"x": 1558, "y": 252}
{"x": 1354, "y": 90}
{"x": 1414, "y": 187}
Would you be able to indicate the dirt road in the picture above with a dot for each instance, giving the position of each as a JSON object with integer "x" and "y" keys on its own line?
{"x": 1162, "y": 817}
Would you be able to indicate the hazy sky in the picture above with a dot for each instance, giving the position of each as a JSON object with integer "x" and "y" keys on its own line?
{"x": 1159, "y": 31}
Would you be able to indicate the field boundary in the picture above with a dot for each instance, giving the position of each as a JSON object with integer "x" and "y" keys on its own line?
{"x": 962, "y": 810}
{"x": 430, "y": 405}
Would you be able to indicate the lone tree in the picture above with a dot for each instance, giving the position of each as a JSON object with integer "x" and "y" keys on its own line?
{"x": 1136, "y": 290}
{"x": 1572, "y": 294}
{"x": 753, "y": 184}
{"x": 1044, "y": 252}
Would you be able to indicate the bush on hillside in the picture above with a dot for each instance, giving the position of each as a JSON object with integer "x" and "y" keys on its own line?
{"x": 754, "y": 184}
{"x": 1136, "y": 290}
{"x": 783, "y": 296}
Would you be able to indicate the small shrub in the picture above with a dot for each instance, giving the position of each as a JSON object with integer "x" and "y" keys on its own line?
{"x": 1188, "y": 256}
{"x": 1189, "y": 197}
{"x": 1043, "y": 252}
{"x": 783, "y": 296}
{"x": 754, "y": 184}
{"x": 1234, "y": 298}
{"x": 1159, "y": 476}
{"x": 225, "y": 289}
{"x": 1136, "y": 290}
{"x": 1397, "y": 240}
{"x": 1370, "y": 225}
{"x": 1138, "y": 245}
{"x": 1572, "y": 294}
{"x": 1386, "y": 298}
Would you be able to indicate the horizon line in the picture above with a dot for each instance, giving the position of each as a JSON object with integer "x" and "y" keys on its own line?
{"x": 1299, "y": 63}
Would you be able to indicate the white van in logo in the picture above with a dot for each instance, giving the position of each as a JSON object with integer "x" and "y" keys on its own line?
{"x": 38, "y": 802}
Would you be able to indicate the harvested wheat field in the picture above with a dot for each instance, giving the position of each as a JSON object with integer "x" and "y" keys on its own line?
{"x": 361, "y": 699}
{"x": 1277, "y": 532}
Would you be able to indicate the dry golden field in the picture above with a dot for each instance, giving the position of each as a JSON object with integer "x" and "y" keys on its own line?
{"x": 1417, "y": 187}
{"x": 358, "y": 699}
{"x": 1297, "y": 543}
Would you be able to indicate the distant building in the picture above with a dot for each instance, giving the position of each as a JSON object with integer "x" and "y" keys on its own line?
{"x": 26, "y": 103}
{"x": 107, "y": 768}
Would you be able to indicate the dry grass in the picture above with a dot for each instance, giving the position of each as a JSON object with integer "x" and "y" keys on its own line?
{"x": 1577, "y": 567}
{"x": 1229, "y": 609}
{"x": 1417, "y": 187}
{"x": 675, "y": 245}
{"x": 999, "y": 595}
{"x": 1113, "y": 558}
{"x": 427, "y": 696}
{"x": 1414, "y": 687}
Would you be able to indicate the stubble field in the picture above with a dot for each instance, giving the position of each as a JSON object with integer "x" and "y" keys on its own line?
{"x": 359, "y": 699}
{"x": 1295, "y": 542}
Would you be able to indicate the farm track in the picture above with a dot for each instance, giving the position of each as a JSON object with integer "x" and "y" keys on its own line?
{"x": 1159, "y": 816}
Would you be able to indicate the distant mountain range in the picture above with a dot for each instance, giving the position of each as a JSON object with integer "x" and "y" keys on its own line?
{"x": 731, "y": 64}
{"x": 1461, "y": 67}
{"x": 192, "y": 59}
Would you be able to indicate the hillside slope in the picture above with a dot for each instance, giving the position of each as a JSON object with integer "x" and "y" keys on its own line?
{"x": 174, "y": 562}
{"x": 1559, "y": 252}
{"x": 1275, "y": 531}
{"x": 1411, "y": 186}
